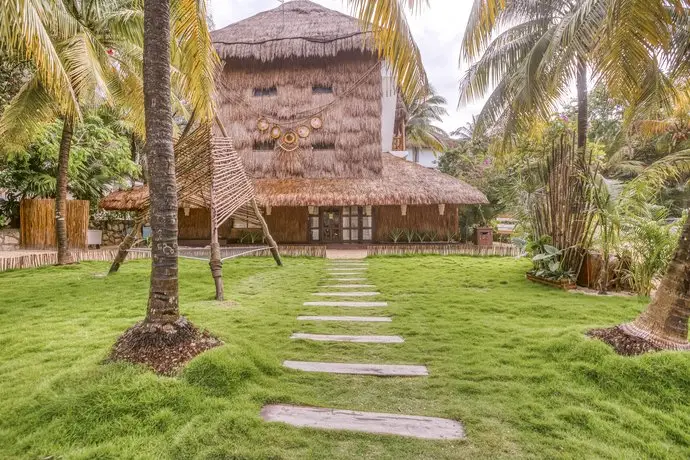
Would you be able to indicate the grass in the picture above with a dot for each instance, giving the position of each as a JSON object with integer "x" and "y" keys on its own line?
{"x": 506, "y": 357}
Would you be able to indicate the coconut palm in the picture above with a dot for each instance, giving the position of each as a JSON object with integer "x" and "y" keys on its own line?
{"x": 426, "y": 108}
{"x": 526, "y": 58}
{"x": 102, "y": 61}
{"x": 634, "y": 34}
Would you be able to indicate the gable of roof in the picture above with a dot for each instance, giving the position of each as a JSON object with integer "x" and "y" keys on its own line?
{"x": 298, "y": 28}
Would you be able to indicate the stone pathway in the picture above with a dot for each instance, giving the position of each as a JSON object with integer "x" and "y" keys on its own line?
{"x": 346, "y": 304}
{"x": 348, "y": 286}
{"x": 347, "y": 294}
{"x": 388, "y": 370}
{"x": 348, "y": 338}
{"x": 336, "y": 419}
{"x": 355, "y": 319}
{"x": 367, "y": 422}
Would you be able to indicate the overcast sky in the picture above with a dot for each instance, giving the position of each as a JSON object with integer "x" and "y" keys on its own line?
{"x": 438, "y": 31}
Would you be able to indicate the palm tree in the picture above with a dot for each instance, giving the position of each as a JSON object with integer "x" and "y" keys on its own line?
{"x": 524, "y": 54}
{"x": 163, "y": 306}
{"x": 636, "y": 34}
{"x": 426, "y": 108}
{"x": 101, "y": 60}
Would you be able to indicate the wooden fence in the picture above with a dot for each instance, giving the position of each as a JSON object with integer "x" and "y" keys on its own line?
{"x": 294, "y": 250}
{"x": 443, "y": 249}
{"x": 37, "y": 224}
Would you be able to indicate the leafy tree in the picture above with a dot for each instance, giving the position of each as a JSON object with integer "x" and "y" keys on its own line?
{"x": 87, "y": 53}
{"x": 101, "y": 159}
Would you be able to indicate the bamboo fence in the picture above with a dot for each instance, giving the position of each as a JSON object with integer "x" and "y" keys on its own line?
{"x": 41, "y": 259}
{"x": 37, "y": 221}
{"x": 442, "y": 249}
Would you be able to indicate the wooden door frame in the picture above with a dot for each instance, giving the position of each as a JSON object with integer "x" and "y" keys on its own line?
{"x": 339, "y": 210}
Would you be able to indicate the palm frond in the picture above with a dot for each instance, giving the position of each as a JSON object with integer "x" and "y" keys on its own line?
{"x": 193, "y": 54}
{"x": 24, "y": 116}
{"x": 25, "y": 32}
{"x": 394, "y": 42}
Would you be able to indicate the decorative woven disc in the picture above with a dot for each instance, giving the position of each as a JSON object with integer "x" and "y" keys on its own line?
{"x": 303, "y": 132}
{"x": 276, "y": 132}
{"x": 316, "y": 123}
{"x": 289, "y": 138}
{"x": 262, "y": 124}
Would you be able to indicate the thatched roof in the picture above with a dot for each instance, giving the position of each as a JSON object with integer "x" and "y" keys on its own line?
{"x": 401, "y": 182}
{"x": 299, "y": 28}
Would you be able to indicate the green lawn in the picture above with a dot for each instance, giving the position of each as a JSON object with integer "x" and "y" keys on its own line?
{"x": 506, "y": 357}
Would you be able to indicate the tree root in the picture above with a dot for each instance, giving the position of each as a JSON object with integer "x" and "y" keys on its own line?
{"x": 165, "y": 348}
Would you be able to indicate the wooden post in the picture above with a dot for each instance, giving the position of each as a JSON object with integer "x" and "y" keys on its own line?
{"x": 271, "y": 242}
{"x": 215, "y": 261}
{"x": 127, "y": 243}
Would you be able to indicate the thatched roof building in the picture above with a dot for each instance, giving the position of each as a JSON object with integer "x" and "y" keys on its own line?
{"x": 311, "y": 111}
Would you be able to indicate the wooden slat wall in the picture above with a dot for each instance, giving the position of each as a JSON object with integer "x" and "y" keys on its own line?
{"x": 37, "y": 224}
{"x": 196, "y": 226}
{"x": 419, "y": 218}
{"x": 288, "y": 224}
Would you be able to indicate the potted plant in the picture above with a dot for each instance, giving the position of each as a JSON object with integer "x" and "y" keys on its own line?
{"x": 547, "y": 268}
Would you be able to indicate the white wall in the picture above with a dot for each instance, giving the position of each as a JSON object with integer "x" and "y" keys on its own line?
{"x": 389, "y": 100}
{"x": 425, "y": 157}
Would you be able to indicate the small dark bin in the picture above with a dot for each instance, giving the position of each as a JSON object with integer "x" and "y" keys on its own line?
{"x": 484, "y": 236}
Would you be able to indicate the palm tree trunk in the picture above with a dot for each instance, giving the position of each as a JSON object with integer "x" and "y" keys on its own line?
{"x": 163, "y": 307}
{"x": 582, "y": 102}
{"x": 665, "y": 321}
{"x": 63, "y": 254}
{"x": 267, "y": 234}
{"x": 127, "y": 244}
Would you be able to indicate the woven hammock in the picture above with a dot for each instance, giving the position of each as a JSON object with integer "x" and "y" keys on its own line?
{"x": 209, "y": 174}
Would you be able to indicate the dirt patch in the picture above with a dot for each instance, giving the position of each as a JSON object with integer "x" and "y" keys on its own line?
{"x": 623, "y": 343}
{"x": 163, "y": 348}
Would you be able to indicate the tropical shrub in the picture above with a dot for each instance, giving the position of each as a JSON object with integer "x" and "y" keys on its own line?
{"x": 396, "y": 234}
{"x": 410, "y": 235}
{"x": 648, "y": 243}
{"x": 249, "y": 236}
{"x": 546, "y": 260}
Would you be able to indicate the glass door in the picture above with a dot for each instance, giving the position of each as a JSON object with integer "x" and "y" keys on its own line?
{"x": 331, "y": 225}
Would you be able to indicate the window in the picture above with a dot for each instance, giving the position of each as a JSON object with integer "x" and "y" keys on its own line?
{"x": 323, "y": 146}
{"x": 351, "y": 223}
{"x": 367, "y": 223}
{"x": 264, "y": 145}
{"x": 259, "y": 92}
{"x": 314, "y": 224}
{"x": 322, "y": 89}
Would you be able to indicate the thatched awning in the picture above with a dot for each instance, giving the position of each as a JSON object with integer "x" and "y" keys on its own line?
{"x": 401, "y": 182}
{"x": 299, "y": 28}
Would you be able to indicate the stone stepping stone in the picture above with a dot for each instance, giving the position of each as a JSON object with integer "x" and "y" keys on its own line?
{"x": 348, "y": 286}
{"x": 347, "y": 274}
{"x": 348, "y": 338}
{"x": 383, "y": 370}
{"x": 367, "y": 422}
{"x": 352, "y": 319}
{"x": 347, "y": 294}
{"x": 341, "y": 265}
{"x": 347, "y": 279}
{"x": 346, "y": 304}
